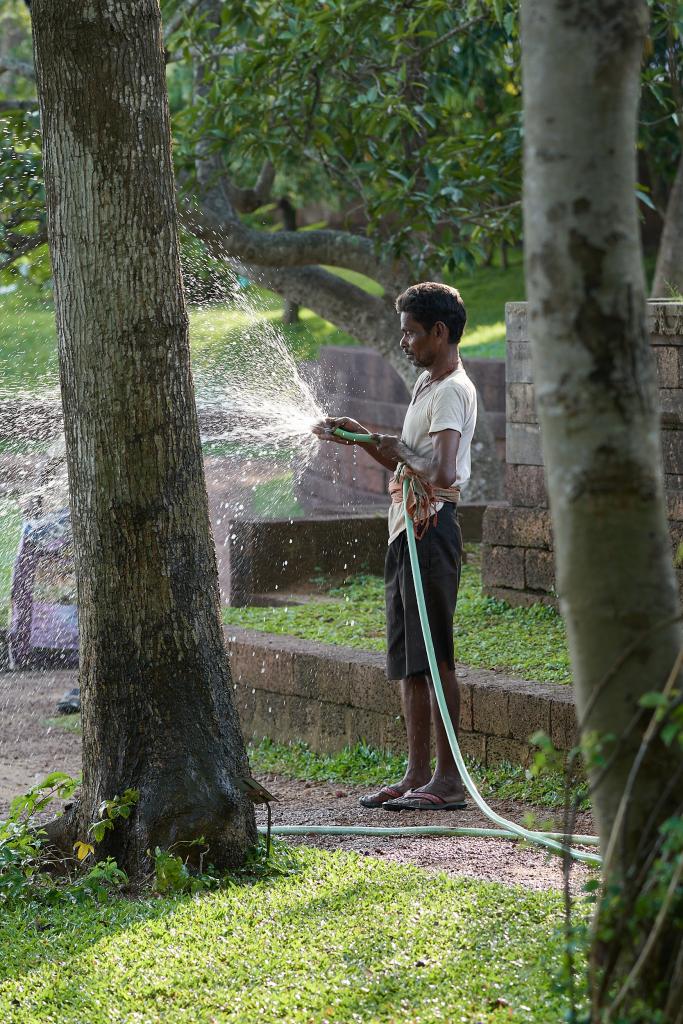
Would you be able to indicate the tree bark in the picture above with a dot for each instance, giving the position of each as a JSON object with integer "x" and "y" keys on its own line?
{"x": 155, "y": 682}
{"x": 668, "y": 279}
{"x": 598, "y": 410}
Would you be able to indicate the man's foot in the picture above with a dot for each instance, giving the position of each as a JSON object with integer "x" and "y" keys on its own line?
{"x": 442, "y": 793}
{"x": 379, "y": 798}
{"x": 393, "y": 792}
{"x": 424, "y": 801}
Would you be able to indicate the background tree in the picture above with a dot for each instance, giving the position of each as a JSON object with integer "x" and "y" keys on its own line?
{"x": 406, "y": 130}
{"x": 155, "y": 682}
{"x": 598, "y": 408}
{"x": 401, "y": 121}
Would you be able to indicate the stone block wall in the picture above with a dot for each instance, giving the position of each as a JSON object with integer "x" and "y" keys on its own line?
{"x": 264, "y": 557}
{"x": 261, "y": 559}
{"x": 517, "y": 554}
{"x": 290, "y": 689}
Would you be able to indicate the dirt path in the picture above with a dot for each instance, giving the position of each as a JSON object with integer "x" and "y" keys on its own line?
{"x": 31, "y": 745}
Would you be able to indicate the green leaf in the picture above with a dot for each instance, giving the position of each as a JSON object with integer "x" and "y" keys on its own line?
{"x": 653, "y": 700}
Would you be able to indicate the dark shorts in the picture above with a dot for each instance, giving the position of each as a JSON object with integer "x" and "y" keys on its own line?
{"x": 440, "y": 555}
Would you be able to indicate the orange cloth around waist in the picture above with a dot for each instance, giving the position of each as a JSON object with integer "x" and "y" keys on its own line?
{"x": 422, "y": 497}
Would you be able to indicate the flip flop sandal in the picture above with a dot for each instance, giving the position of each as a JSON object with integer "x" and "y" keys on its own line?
{"x": 424, "y": 802}
{"x": 378, "y": 799}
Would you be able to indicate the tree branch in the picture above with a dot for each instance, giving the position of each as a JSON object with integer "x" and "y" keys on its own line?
{"x": 283, "y": 248}
{"x": 18, "y": 105}
{"x": 454, "y": 32}
{"x": 293, "y": 249}
{"x": 17, "y": 67}
{"x": 246, "y": 200}
{"x": 27, "y": 244}
{"x": 370, "y": 319}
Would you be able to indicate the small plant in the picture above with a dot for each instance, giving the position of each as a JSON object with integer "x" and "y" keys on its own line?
{"x": 28, "y": 875}
{"x": 282, "y": 861}
{"x": 172, "y": 874}
{"x": 110, "y": 810}
{"x": 103, "y": 880}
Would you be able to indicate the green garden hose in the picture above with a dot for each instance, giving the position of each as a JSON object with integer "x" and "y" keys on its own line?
{"x": 554, "y": 841}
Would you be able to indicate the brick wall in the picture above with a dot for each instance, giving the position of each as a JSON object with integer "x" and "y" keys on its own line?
{"x": 517, "y": 556}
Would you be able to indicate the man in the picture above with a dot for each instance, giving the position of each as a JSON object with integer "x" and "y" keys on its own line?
{"x": 434, "y": 453}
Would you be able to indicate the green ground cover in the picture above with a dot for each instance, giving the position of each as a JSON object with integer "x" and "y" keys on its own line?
{"x": 343, "y": 938}
{"x": 527, "y": 642}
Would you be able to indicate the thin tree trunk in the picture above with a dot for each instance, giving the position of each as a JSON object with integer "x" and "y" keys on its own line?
{"x": 290, "y": 314}
{"x": 668, "y": 280}
{"x": 598, "y": 410}
{"x": 154, "y": 675}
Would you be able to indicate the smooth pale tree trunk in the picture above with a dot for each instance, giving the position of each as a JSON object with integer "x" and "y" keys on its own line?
{"x": 668, "y": 279}
{"x": 156, "y": 690}
{"x": 598, "y": 410}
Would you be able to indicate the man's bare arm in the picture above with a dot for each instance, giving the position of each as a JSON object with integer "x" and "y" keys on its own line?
{"x": 438, "y": 469}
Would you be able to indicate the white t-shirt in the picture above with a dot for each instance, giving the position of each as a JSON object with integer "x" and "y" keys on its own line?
{"x": 450, "y": 404}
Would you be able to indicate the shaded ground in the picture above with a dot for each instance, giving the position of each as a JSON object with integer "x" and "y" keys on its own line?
{"x": 31, "y": 745}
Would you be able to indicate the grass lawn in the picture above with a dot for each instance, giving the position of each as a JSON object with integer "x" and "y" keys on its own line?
{"x": 527, "y": 642}
{"x": 344, "y": 938}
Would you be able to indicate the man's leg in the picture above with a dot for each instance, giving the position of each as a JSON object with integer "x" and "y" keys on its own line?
{"x": 446, "y": 781}
{"x": 415, "y": 697}
{"x": 414, "y": 689}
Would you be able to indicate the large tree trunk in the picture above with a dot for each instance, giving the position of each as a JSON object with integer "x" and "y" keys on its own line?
{"x": 155, "y": 681}
{"x": 598, "y": 410}
{"x": 668, "y": 278}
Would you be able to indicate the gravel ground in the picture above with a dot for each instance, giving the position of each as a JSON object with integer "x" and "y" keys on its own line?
{"x": 31, "y": 745}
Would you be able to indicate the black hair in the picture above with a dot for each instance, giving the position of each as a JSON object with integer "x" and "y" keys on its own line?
{"x": 430, "y": 303}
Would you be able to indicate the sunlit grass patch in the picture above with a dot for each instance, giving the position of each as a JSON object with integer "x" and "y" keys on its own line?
{"x": 347, "y": 938}
{"x": 28, "y": 344}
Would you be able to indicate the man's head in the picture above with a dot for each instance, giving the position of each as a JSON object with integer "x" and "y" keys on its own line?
{"x": 432, "y": 316}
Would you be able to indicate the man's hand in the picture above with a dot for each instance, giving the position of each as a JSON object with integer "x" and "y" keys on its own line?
{"x": 324, "y": 429}
{"x": 388, "y": 447}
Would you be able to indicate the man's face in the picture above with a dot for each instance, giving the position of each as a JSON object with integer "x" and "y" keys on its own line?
{"x": 418, "y": 344}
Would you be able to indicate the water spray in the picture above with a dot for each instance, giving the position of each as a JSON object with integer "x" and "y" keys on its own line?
{"x": 556, "y": 842}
